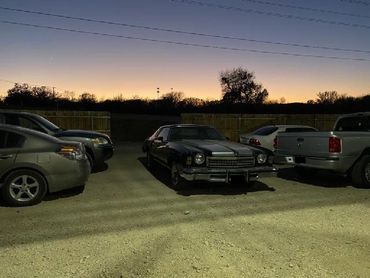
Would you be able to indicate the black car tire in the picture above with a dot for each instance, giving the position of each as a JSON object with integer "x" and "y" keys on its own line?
{"x": 305, "y": 172}
{"x": 91, "y": 162}
{"x": 24, "y": 188}
{"x": 149, "y": 160}
{"x": 361, "y": 172}
{"x": 177, "y": 182}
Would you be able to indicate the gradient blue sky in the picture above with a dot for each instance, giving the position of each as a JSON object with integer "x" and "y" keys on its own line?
{"x": 108, "y": 67}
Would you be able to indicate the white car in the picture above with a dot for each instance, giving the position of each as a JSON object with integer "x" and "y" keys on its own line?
{"x": 266, "y": 136}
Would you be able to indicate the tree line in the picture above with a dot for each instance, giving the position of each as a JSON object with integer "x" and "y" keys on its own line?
{"x": 240, "y": 94}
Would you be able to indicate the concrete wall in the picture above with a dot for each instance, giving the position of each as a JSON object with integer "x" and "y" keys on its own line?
{"x": 231, "y": 125}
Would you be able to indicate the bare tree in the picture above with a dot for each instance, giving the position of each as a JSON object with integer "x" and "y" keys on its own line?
{"x": 327, "y": 97}
{"x": 239, "y": 86}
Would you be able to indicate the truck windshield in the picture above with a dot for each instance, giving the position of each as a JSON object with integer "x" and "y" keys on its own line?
{"x": 361, "y": 123}
{"x": 200, "y": 133}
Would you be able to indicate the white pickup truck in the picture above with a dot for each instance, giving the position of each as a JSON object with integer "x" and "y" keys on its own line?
{"x": 345, "y": 150}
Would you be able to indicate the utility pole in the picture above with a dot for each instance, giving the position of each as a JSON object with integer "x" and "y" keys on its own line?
{"x": 157, "y": 93}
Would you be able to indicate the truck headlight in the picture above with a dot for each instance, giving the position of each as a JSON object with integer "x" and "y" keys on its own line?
{"x": 261, "y": 158}
{"x": 199, "y": 158}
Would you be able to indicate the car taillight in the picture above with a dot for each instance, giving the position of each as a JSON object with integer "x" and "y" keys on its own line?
{"x": 335, "y": 145}
{"x": 254, "y": 141}
{"x": 275, "y": 144}
{"x": 72, "y": 152}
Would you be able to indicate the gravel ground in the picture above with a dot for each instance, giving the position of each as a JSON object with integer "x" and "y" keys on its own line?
{"x": 128, "y": 223}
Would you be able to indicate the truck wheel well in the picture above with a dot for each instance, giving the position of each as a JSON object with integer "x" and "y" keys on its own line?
{"x": 364, "y": 152}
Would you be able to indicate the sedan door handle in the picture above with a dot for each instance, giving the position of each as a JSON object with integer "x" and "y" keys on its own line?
{"x": 5, "y": 156}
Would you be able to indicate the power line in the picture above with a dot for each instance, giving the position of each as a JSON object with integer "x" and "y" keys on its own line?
{"x": 186, "y": 32}
{"x": 289, "y": 16}
{"x": 360, "y": 2}
{"x": 185, "y": 43}
{"x": 304, "y": 8}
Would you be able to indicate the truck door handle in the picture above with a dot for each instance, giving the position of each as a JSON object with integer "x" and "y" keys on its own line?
{"x": 300, "y": 139}
{"x": 5, "y": 156}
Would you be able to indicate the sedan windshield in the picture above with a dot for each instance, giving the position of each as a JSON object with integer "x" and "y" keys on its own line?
{"x": 199, "y": 133}
{"x": 47, "y": 124}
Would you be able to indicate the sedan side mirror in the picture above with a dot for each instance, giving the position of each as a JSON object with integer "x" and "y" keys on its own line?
{"x": 159, "y": 139}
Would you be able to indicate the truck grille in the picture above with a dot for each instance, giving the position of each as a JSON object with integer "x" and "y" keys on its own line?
{"x": 230, "y": 162}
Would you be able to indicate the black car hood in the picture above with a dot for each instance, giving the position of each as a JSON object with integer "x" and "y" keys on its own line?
{"x": 219, "y": 147}
{"x": 80, "y": 133}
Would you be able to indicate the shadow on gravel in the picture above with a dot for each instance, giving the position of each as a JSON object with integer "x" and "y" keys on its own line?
{"x": 65, "y": 193}
{"x": 204, "y": 188}
{"x": 320, "y": 178}
{"x": 100, "y": 168}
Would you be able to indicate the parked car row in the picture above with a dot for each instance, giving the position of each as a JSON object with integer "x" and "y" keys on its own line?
{"x": 201, "y": 153}
{"x": 38, "y": 157}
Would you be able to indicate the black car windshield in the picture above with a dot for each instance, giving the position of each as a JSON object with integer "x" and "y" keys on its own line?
{"x": 199, "y": 133}
{"x": 47, "y": 124}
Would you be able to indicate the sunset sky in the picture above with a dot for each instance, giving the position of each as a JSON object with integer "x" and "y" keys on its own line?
{"x": 112, "y": 65}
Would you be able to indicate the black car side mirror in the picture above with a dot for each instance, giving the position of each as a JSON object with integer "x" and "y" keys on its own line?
{"x": 159, "y": 139}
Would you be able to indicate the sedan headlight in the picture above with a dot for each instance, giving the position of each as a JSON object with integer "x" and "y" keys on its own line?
{"x": 261, "y": 158}
{"x": 199, "y": 158}
{"x": 99, "y": 141}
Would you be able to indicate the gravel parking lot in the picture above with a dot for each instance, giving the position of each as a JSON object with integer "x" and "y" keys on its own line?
{"x": 129, "y": 223}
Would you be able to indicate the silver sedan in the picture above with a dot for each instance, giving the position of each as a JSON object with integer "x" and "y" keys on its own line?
{"x": 33, "y": 164}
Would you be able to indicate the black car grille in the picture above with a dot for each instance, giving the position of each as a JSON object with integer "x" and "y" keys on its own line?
{"x": 230, "y": 162}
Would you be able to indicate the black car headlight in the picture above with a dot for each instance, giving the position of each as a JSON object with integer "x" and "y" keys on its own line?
{"x": 99, "y": 141}
{"x": 261, "y": 158}
{"x": 199, "y": 158}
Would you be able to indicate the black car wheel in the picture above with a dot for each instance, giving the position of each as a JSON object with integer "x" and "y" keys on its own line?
{"x": 177, "y": 182}
{"x": 361, "y": 172}
{"x": 149, "y": 160}
{"x": 24, "y": 188}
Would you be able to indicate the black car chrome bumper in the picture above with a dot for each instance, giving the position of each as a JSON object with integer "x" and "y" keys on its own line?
{"x": 227, "y": 175}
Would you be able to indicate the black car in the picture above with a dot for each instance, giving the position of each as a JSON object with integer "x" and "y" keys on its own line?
{"x": 99, "y": 146}
{"x": 201, "y": 153}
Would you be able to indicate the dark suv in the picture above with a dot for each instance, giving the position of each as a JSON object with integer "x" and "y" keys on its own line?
{"x": 99, "y": 147}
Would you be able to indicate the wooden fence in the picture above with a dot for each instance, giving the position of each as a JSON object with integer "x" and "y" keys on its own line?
{"x": 232, "y": 125}
{"x": 85, "y": 120}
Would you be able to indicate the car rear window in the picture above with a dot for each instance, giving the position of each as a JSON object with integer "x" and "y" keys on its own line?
{"x": 14, "y": 140}
{"x": 11, "y": 140}
{"x": 265, "y": 130}
{"x": 353, "y": 124}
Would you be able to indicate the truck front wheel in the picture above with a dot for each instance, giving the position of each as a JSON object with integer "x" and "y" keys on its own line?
{"x": 361, "y": 172}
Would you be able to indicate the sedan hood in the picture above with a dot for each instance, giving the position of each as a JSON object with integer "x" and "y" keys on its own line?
{"x": 219, "y": 147}
{"x": 80, "y": 133}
